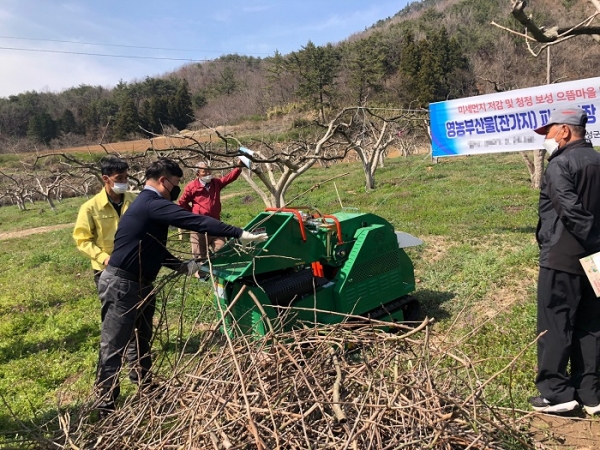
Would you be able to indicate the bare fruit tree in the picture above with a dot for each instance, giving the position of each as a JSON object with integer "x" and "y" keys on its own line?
{"x": 366, "y": 132}
{"x": 48, "y": 185}
{"x": 278, "y": 166}
{"x": 370, "y": 134}
{"x": 15, "y": 188}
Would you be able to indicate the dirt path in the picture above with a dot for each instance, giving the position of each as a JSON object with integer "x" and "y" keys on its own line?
{"x": 562, "y": 433}
{"x": 28, "y": 231}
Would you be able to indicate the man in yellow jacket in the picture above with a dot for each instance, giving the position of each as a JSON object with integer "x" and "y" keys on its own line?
{"x": 98, "y": 218}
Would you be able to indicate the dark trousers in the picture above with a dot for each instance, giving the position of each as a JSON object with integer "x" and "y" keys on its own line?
{"x": 127, "y": 312}
{"x": 570, "y": 312}
{"x": 97, "y": 274}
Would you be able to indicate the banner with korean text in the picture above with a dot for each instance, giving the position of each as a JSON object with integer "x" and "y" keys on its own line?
{"x": 504, "y": 122}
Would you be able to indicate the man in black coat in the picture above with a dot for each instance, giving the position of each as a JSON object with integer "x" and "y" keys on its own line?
{"x": 125, "y": 286}
{"x": 568, "y": 229}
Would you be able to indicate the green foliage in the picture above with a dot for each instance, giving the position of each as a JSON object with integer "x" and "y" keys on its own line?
{"x": 317, "y": 69}
{"x": 153, "y": 103}
{"x": 127, "y": 119}
{"x": 417, "y": 6}
{"x": 42, "y": 128}
{"x": 199, "y": 100}
{"x": 153, "y": 113}
{"x": 366, "y": 65}
{"x": 435, "y": 68}
{"x": 227, "y": 83}
{"x": 67, "y": 123}
{"x": 180, "y": 107}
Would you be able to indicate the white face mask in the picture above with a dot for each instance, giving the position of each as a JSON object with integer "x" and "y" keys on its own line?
{"x": 119, "y": 188}
{"x": 206, "y": 178}
{"x": 550, "y": 145}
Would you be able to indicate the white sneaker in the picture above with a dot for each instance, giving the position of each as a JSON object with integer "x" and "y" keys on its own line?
{"x": 592, "y": 410}
{"x": 542, "y": 405}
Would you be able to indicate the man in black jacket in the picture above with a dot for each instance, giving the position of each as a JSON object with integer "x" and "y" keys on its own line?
{"x": 125, "y": 286}
{"x": 568, "y": 229}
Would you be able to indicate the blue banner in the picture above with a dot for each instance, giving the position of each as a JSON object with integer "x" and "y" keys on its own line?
{"x": 504, "y": 122}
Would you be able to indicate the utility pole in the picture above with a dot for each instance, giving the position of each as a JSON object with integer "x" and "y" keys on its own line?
{"x": 548, "y": 70}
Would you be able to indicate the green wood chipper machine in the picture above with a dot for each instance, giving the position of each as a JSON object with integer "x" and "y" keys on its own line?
{"x": 314, "y": 269}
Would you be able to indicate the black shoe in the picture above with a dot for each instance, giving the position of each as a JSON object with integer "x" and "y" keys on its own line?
{"x": 105, "y": 409}
{"x": 152, "y": 388}
{"x": 542, "y": 405}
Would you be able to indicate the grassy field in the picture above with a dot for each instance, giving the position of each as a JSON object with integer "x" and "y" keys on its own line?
{"x": 476, "y": 275}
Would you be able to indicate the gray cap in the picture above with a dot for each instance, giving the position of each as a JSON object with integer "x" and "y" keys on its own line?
{"x": 566, "y": 116}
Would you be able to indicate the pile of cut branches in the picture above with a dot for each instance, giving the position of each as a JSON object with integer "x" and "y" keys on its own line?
{"x": 347, "y": 386}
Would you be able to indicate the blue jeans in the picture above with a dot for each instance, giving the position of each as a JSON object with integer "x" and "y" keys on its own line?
{"x": 127, "y": 312}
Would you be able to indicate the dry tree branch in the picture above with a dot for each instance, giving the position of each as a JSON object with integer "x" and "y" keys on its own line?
{"x": 550, "y": 36}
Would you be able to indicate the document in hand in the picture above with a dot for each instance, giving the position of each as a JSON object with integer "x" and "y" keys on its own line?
{"x": 591, "y": 266}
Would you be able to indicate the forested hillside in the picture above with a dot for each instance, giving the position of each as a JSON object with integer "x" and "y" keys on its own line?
{"x": 429, "y": 51}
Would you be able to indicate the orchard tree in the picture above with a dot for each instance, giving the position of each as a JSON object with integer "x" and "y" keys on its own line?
{"x": 15, "y": 188}
{"x": 47, "y": 185}
{"x": 353, "y": 129}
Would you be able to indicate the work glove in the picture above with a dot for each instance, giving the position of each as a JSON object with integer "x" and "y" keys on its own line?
{"x": 248, "y": 237}
{"x": 189, "y": 267}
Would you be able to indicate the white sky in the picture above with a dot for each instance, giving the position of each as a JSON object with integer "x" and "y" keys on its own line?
{"x": 32, "y": 35}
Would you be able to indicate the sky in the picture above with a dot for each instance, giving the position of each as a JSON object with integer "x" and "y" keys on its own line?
{"x": 52, "y": 45}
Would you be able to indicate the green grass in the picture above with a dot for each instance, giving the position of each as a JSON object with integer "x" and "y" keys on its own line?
{"x": 39, "y": 215}
{"x": 477, "y": 267}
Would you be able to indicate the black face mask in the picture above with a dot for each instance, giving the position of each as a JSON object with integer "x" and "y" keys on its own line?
{"x": 173, "y": 193}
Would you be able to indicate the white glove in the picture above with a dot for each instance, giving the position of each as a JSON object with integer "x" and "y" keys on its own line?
{"x": 248, "y": 237}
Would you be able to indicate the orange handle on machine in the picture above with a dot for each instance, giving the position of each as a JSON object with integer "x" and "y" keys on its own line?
{"x": 317, "y": 268}
{"x": 337, "y": 225}
{"x": 298, "y": 216}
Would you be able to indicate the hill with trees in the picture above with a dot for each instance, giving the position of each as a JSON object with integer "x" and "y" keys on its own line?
{"x": 431, "y": 50}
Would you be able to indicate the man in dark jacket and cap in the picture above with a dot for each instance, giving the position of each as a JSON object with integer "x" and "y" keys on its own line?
{"x": 568, "y": 229}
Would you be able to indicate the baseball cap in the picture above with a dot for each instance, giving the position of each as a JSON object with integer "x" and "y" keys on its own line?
{"x": 566, "y": 116}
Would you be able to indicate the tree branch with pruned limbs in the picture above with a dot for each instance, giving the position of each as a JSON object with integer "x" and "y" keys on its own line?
{"x": 550, "y": 35}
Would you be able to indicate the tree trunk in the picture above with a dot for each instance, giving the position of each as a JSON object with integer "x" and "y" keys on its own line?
{"x": 50, "y": 202}
{"x": 538, "y": 172}
{"x": 535, "y": 167}
{"x": 370, "y": 179}
{"x": 20, "y": 204}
